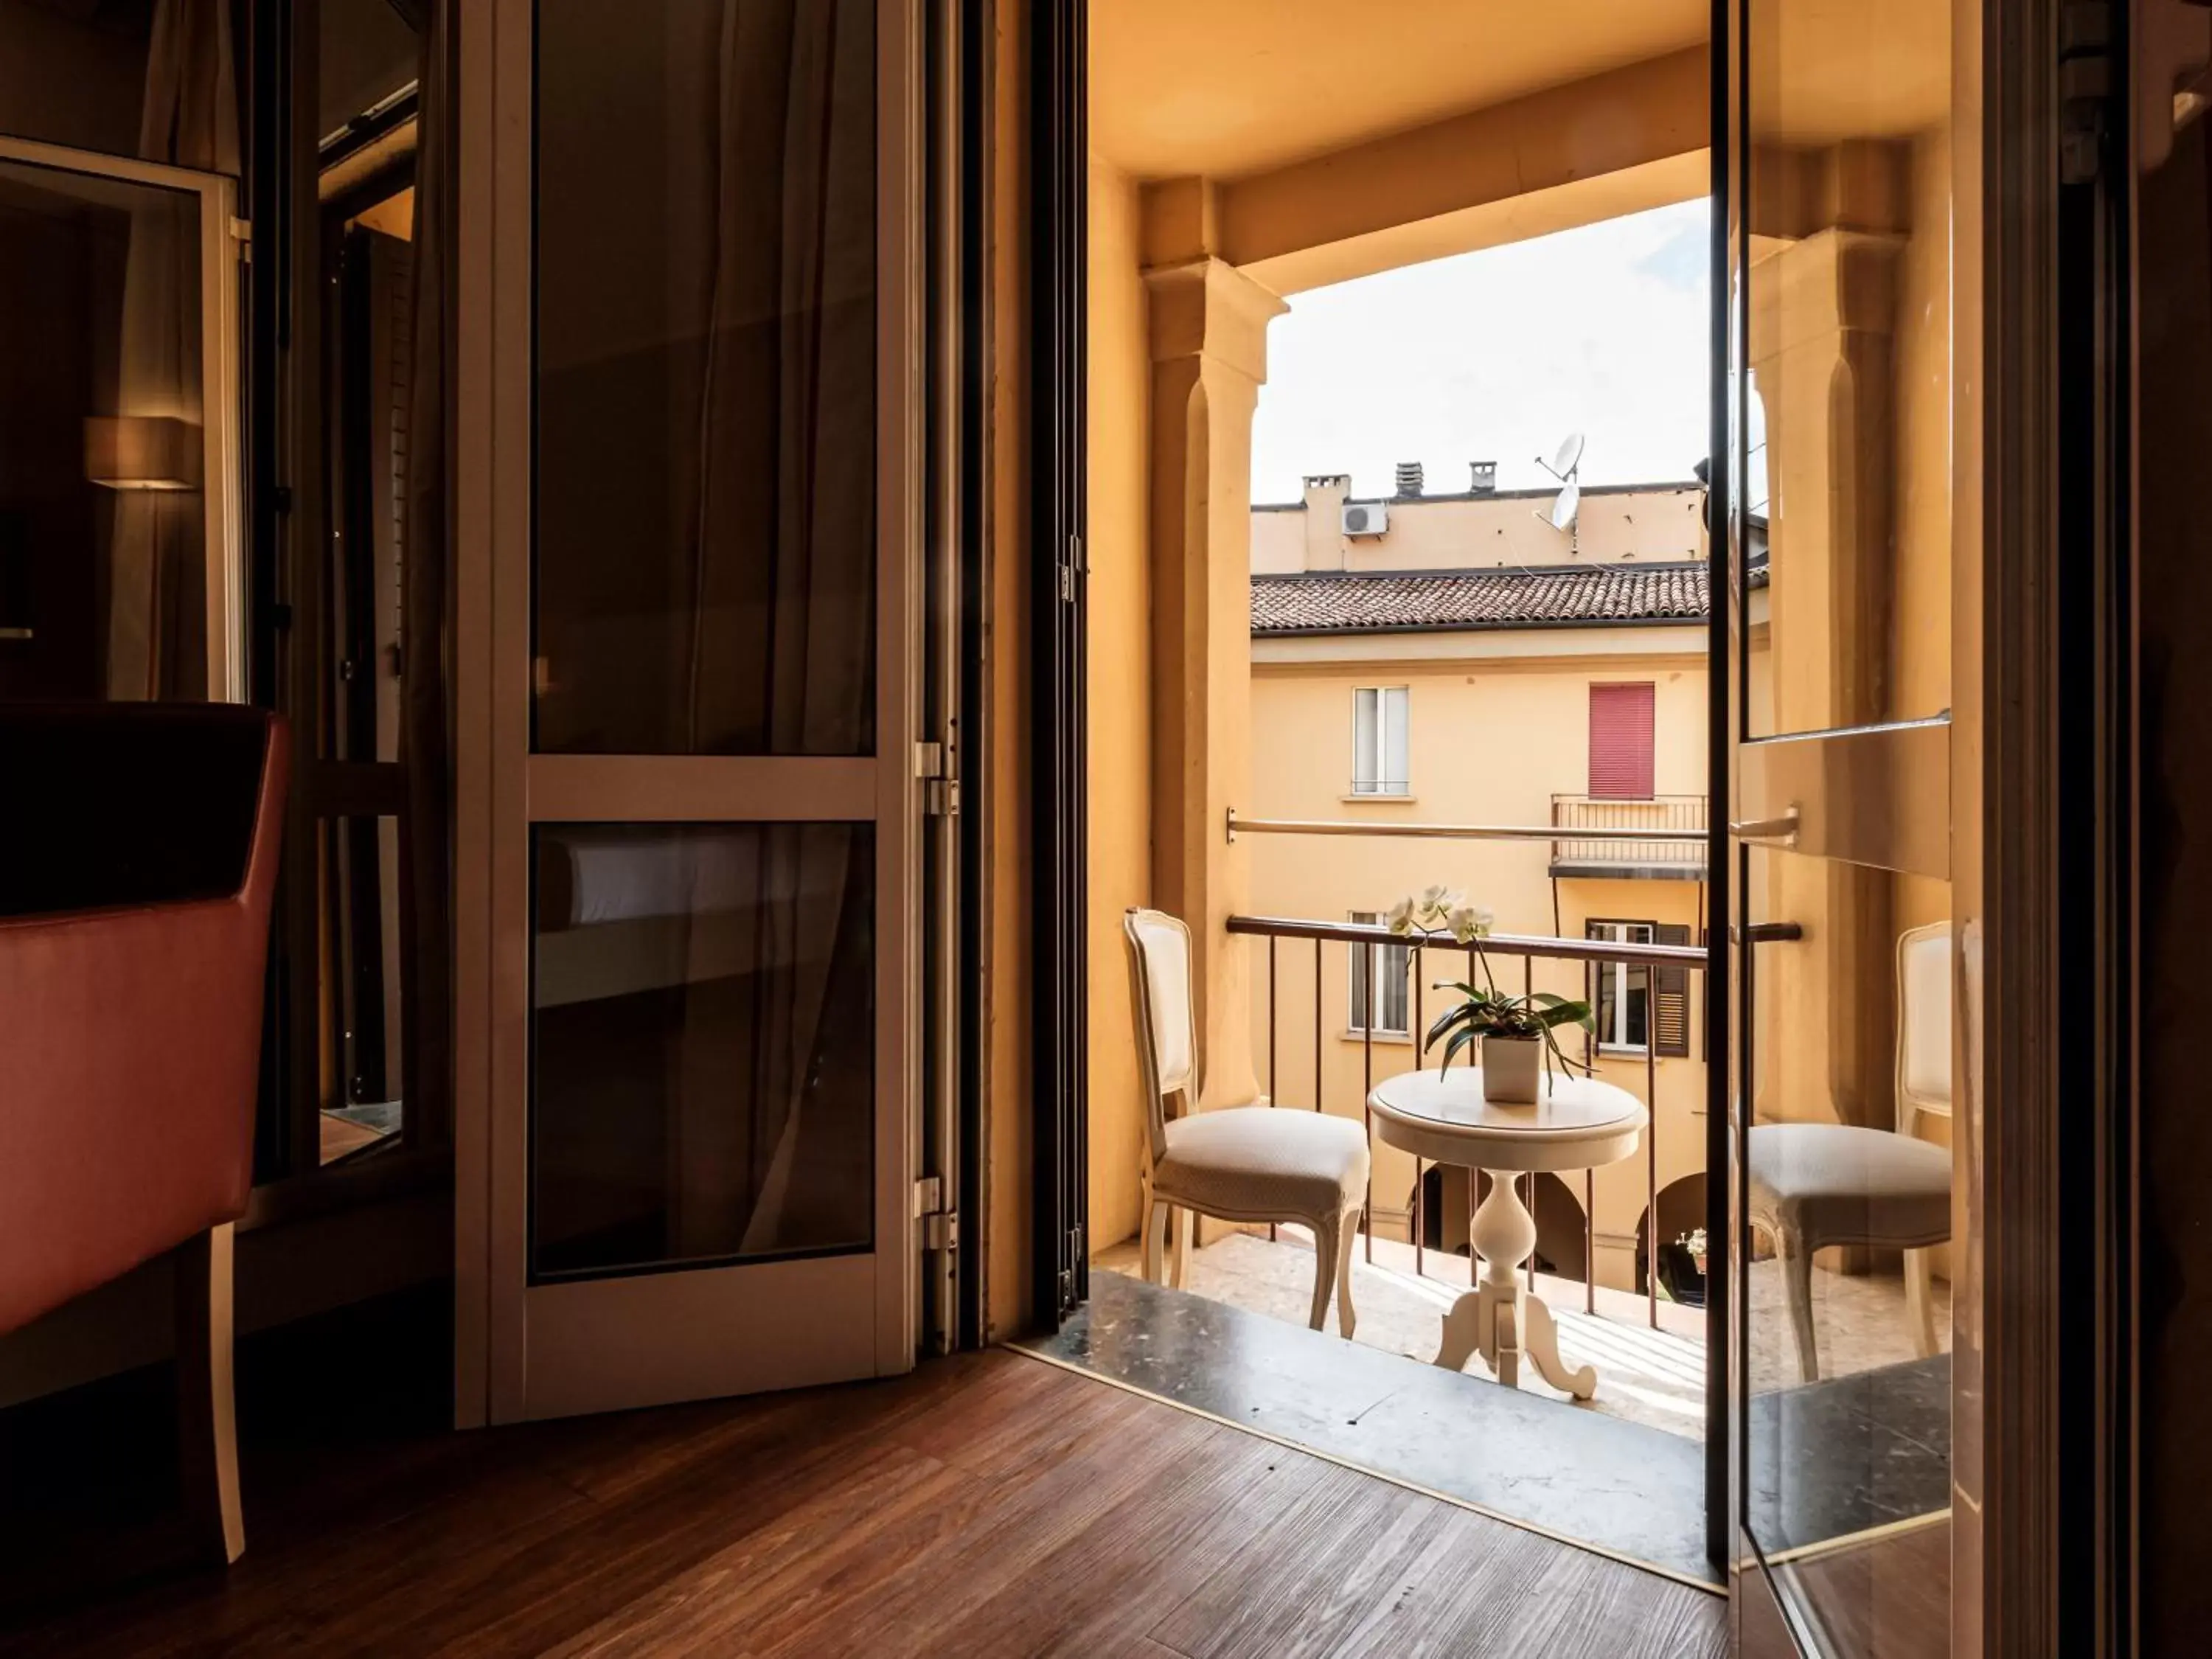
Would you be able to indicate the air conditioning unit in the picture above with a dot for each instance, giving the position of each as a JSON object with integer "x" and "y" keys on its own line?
{"x": 1365, "y": 517}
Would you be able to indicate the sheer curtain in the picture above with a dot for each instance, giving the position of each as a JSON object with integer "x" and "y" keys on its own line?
{"x": 157, "y": 578}
{"x": 782, "y": 645}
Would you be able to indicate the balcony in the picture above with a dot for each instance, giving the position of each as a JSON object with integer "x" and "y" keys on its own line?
{"x": 1600, "y": 1233}
{"x": 1611, "y": 856}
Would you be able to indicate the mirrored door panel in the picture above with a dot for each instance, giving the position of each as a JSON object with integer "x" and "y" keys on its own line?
{"x": 1845, "y": 379}
{"x": 1846, "y": 1281}
{"x": 1843, "y": 404}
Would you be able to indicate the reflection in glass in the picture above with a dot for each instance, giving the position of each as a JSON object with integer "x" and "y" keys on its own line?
{"x": 103, "y": 522}
{"x": 706, "y": 377}
{"x": 1848, "y": 1426}
{"x": 1846, "y": 428}
{"x": 361, "y": 1021}
{"x": 703, "y": 1074}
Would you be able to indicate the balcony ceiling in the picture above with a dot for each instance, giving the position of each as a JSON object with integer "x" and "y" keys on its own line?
{"x": 1228, "y": 88}
{"x": 1231, "y": 87}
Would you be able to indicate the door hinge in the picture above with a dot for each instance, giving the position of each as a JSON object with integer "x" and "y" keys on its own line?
{"x": 940, "y": 1228}
{"x": 933, "y": 764}
{"x": 1068, "y": 1273}
{"x": 2085, "y": 88}
{"x": 1070, "y": 569}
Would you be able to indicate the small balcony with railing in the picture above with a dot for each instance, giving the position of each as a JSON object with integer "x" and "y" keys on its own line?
{"x": 1654, "y": 838}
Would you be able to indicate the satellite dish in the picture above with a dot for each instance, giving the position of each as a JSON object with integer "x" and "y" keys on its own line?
{"x": 1569, "y": 457}
{"x": 1570, "y": 500}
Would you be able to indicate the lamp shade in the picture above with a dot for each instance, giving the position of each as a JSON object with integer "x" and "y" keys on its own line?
{"x": 141, "y": 451}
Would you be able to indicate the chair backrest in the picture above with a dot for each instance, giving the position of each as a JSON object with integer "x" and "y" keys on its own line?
{"x": 134, "y": 933}
{"x": 1923, "y": 1024}
{"x": 1167, "y": 1034}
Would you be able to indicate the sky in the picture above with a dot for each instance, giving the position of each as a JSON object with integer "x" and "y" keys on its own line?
{"x": 1496, "y": 355}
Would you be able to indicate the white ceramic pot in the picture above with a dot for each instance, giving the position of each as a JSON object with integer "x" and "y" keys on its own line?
{"x": 1512, "y": 1070}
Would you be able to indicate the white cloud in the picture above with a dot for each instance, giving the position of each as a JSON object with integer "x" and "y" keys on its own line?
{"x": 1496, "y": 355}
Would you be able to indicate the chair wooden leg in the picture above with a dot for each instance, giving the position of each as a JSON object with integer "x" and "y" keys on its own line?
{"x": 206, "y": 1416}
{"x": 1920, "y": 1300}
{"x": 1145, "y": 1207}
{"x": 1347, "y": 1235}
{"x": 1185, "y": 1222}
{"x": 1325, "y": 1232}
{"x": 1797, "y": 1282}
{"x": 1157, "y": 1212}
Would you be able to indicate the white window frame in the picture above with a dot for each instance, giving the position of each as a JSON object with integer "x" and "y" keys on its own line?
{"x": 1392, "y": 966}
{"x": 1622, "y": 981}
{"x": 1370, "y": 723}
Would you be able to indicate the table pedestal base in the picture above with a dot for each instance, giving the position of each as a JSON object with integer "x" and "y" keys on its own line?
{"x": 1499, "y": 1319}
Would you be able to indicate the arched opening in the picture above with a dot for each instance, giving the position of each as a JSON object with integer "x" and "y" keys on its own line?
{"x": 1681, "y": 1213}
{"x": 1562, "y": 1238}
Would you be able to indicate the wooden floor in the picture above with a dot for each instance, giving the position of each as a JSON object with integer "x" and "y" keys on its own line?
{"x": 989, "y": 1504}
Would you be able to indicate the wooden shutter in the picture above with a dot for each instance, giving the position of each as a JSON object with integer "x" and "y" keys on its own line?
{"x": 1621, "y": 726}
{"x": 1670, "y": 1006}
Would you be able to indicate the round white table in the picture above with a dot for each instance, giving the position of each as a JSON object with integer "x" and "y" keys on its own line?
{"x": 1580, "y": 1124}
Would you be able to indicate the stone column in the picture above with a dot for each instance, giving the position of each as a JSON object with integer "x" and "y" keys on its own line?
{"x": 1208, "y": 324}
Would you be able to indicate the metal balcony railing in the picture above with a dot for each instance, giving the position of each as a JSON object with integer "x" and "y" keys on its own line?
{"x": 1368, "y": 941}
{"x": 1599, "y": 852}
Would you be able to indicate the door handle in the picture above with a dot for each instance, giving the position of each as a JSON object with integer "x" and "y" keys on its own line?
{"x": 1782, "y": 830}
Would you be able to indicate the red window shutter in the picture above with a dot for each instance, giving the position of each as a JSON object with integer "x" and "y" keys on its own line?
{"x": 1620, "y": 720}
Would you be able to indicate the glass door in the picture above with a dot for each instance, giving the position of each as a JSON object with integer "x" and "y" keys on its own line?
{"x": 1846, "y": 967}
{"x": 704, "y": 810}
{"x": 120, "y": 561}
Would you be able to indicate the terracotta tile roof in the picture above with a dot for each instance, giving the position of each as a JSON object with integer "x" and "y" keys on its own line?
{"x": 1445, "y": 599}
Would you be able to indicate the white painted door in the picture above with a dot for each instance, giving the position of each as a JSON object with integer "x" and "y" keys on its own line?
{"x": 697, "y": 829}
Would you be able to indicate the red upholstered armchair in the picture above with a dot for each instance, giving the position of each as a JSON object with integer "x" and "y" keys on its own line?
{"x": 138, "y": 849}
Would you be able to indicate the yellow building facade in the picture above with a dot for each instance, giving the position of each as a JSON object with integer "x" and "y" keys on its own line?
{"x": 1488, "y": 722}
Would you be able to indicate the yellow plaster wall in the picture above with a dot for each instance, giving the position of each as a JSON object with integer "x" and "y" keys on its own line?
{"x": 1120, "y": 801}
{"x": 1488, "y": 742}
{"x": 1657, "y": 522}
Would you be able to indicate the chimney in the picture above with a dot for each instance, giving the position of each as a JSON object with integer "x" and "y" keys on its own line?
{"x": 1409, "y": 481}
{"x": 1485, "y": 479}
{"x": 1324, "y": 496}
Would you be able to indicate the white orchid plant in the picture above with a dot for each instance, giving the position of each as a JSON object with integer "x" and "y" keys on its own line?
{"x": 1436, "y": 915}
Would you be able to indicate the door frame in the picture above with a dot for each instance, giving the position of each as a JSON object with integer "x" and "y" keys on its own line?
{"x": 1057, "y": 244}
{"x": 502, "y": 788}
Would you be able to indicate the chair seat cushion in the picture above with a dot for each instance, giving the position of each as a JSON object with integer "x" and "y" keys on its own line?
{"x": 1248, "y": 1163}
{"x": 1832, "y": 1184}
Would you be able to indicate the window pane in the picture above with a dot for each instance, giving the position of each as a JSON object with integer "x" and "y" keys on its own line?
{"x": 1395, "y": 770}
{"x": 1392, "y": 967}
{"x": 1365, "y": 762}
{"x": 704, "y": 1031}
{"x": 103, "y": 440}
{"x": 359, "y": 1024}
{"x": 706, "y": 377}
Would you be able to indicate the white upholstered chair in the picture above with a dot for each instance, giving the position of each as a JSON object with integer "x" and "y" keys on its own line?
{"x": 1236, "y": 1163}
{"x": 1816, "y": 1184}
